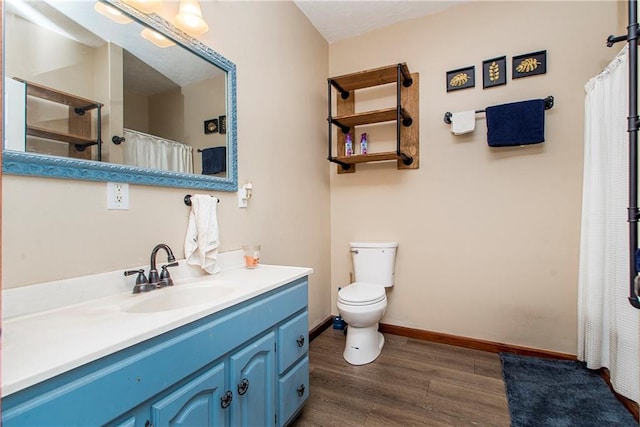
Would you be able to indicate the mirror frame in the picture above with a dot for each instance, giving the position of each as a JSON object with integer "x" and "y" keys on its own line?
{"x": 21, "y": 163}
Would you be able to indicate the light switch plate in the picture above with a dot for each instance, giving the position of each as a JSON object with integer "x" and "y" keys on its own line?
{"x": 242, "y": 198}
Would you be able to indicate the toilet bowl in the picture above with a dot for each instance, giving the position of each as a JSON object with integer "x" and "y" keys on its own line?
{"x": 362, "y": 311}
{"x": 363, "y": 303}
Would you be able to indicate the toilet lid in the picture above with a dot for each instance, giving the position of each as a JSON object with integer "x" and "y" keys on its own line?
{"x": 361, "y": 294}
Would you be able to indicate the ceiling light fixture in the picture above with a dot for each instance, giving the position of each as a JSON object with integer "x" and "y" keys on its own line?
{"x": 156, "y": 38}
{"x": 189, "y": 18}
{"x": 146, "y": 6}
{"x": 112, "y": 13}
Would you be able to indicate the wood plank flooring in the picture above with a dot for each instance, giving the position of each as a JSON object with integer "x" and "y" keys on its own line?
{"x": 412, "y": 383}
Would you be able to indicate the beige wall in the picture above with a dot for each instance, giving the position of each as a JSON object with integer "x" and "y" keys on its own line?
{"x": 488, "y": 237}
{"x": 136, "y": 106}
{"x": 54, "y": 229}
{"x": 166, "y": 114}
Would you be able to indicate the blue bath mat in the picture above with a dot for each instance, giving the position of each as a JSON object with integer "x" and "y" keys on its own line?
{"x": 549, "y": 392}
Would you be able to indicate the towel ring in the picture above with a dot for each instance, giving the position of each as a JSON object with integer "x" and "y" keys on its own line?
{"x": 187, "y": 200}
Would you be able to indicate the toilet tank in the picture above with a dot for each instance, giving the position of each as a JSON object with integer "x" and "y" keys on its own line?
{"x": 374, "y": 262}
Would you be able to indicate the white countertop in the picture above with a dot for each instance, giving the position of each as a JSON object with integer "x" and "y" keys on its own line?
{"x": 39, "y": 345}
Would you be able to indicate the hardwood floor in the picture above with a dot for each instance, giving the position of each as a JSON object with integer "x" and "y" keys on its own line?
{"x": 412, "y": 383}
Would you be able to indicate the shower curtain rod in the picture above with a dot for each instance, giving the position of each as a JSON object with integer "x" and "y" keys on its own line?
{"x": 633, "y": 123}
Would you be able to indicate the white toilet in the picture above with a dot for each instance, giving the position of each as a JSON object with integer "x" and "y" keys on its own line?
{"x": 362, "y": 303}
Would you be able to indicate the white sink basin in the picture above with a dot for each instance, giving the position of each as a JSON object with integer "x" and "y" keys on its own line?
{"x": 177, "y": 297}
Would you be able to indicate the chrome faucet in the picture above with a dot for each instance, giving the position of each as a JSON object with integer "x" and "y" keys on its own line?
{"x": 163, "y": 279}
{"x": 155, "y": 280}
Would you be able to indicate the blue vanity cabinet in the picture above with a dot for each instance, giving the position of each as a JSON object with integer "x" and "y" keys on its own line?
{"x": 238, "y": 367}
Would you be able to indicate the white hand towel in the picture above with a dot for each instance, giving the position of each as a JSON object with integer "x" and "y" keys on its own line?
{"x": 463, "y": 122}
{"x": 201, "y": 243}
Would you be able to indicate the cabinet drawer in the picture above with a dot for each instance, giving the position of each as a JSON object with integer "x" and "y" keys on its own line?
{"x": 293, "y": 391}
{"x": 293, "y": 341}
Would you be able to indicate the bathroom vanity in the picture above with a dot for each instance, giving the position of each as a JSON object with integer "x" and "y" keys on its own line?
{"x": 228, "y": 349}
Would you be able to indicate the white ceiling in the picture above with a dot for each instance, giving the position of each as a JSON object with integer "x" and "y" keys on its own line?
{"x": 341, "y": 19}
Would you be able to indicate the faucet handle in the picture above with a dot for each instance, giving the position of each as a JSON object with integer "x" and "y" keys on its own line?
{"x": 165, "y": 277}
{"x": 141, "y": 279}
{"x": 142, "y": 283}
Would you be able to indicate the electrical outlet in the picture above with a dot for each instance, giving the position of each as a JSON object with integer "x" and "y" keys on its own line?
{"x": 117, "y": 196}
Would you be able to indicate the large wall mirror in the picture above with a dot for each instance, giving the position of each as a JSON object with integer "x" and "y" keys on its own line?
{"x": 138, "y": 101}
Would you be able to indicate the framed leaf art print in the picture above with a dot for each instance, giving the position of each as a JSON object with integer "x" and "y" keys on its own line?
{"x": 494, "y": 72}
{"x": 530, "y": 64}
{"x": 462, "y": 78}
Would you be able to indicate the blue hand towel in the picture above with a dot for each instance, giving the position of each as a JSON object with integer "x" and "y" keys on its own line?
{"x": 517, "y": 123}
{"x": 214, "y": 160}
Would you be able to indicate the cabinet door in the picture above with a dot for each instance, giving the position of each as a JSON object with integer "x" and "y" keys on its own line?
{"x": 293, "y": 341}
{"x": 196, "y": 403}
{"x": 253, "y": 383}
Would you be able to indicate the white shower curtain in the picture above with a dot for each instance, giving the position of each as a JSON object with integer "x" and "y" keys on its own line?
{"x": 608, "y": 326}
{"x": 149, "y": 151}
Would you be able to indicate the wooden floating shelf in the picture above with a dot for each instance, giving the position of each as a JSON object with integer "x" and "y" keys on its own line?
{"x": 369, "y": 78}
{"x": 365, "y": 158}
{"x": 378, "y": 116}
{"x": 53, "y": 95}
{"x": 60, "y": 136}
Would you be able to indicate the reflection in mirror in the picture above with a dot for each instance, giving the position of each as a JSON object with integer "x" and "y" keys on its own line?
{"x": 80, "y": 87}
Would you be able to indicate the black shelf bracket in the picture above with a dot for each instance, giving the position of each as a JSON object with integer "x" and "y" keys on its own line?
{"x": 343, "y": 93}
{"x": 82, "y": 147}
{"x": 343, "y": 128}
{"x": 345, "y": 166}
{"x": 406, "y": 160}
{"x": 81, "y": 110}
{"x": 406, "y": 118}
{"x": 407, "y": 81}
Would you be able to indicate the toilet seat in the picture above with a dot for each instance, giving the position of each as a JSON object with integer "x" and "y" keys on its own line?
{"x": 360, "y": 293}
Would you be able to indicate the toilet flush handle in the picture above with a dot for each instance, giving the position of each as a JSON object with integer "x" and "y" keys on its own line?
{"x": 354, "y": 251}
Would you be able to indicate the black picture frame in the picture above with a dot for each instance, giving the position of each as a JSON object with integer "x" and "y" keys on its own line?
{"x": 461, "y": 78}
{"x": 529, "y": 64}
{"x": 494, "y": 72}
{"x": 222, "y": 121}
{"x": 210, "y": 126}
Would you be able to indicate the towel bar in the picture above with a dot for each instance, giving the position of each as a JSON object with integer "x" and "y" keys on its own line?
{"x": 548, "y": 104}
{"x": 187, "y": 200}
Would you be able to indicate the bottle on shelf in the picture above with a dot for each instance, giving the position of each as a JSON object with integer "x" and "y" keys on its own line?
{"x": 348, "y": 145}
{"x": 363, "y": 143}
